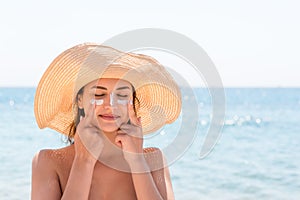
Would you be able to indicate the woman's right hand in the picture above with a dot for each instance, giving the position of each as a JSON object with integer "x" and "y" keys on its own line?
{"x": 88, "y": 139}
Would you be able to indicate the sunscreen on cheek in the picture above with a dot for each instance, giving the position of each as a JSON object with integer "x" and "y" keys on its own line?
{"x": 113, "y": 101}
{"x": 97, "y": 102}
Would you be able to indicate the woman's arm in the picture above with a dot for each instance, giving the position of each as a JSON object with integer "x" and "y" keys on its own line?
{"x": 155, "y": 184}
{"x": 88, "y": 145}
{"x": 145, "y": 176}
{"x": 80, "y": 179}
{"x": 81, "y": 174}
{"x": 160, "y": 172}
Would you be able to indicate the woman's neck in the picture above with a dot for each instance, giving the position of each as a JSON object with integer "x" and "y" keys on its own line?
{"x": 110, "y": 136}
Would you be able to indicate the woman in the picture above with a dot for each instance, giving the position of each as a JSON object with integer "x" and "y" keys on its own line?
{"x": 104, "y": 100}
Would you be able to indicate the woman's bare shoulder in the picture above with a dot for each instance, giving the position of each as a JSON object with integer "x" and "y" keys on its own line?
{"x": 50, "y": 157}
{"x": 154, "y": 158}
{"x": 45, "y": 176}
{"x": 151, "y": 150}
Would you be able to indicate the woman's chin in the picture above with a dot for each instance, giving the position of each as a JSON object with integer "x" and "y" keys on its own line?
{"x": 108, "y": 128}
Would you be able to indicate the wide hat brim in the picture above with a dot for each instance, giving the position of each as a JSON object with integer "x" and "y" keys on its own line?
{"x": 158, "y": 94}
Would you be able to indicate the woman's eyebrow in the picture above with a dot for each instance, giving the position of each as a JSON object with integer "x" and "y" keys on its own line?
{"x": 99, "y": 87}
{"x": 122, "y": 88}
{"x": 104, "y": 88}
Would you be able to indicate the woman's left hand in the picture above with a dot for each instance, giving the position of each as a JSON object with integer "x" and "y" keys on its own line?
{"x": 130, "y": 137}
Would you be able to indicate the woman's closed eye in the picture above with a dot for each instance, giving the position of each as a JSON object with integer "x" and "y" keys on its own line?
{"x": 122, "y": 95}
{"x": 99, "y": 95}
{"x": 112, "y": 95}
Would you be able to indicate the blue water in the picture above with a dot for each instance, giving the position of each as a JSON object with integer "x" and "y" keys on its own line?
{"x": 257, "y": 156}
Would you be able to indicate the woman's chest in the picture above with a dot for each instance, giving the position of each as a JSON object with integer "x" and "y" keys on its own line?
{"x": 106, "y": 183}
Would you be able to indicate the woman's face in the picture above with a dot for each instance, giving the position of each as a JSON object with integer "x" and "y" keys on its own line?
{"x": 110, "y": 98}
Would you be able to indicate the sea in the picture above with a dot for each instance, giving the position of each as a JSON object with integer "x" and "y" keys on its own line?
{"x": 255, "y": 156}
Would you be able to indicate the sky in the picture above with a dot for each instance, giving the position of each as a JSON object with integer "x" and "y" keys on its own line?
{"x": 252, "y": 43}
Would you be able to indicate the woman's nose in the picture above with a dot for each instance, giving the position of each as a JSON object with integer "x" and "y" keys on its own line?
{"x": 105, "y": 102}
{"x": 109, "y": 100}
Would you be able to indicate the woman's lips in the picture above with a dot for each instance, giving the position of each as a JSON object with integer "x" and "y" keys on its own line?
{"x": 109, "y": 117}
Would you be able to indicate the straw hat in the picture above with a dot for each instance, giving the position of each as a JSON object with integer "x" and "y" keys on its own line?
{"x": 158, "y": 94}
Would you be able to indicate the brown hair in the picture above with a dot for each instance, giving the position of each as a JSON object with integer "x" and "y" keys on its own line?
{"x": 80, "y": 112}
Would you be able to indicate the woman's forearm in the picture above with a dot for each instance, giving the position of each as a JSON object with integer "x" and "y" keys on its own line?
{"x": 80, "y": 179}
{"x": 144, "y": 184}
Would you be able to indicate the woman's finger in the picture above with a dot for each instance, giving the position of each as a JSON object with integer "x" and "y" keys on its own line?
{"x": 119, "y": 139}
{"x": 132, "y": 116}
{"x": 132, "y": 130}
{"x": 90, "y": 115}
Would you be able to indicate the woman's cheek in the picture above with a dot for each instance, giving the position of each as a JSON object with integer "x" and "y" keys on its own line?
{"x": 125, "y": 115}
